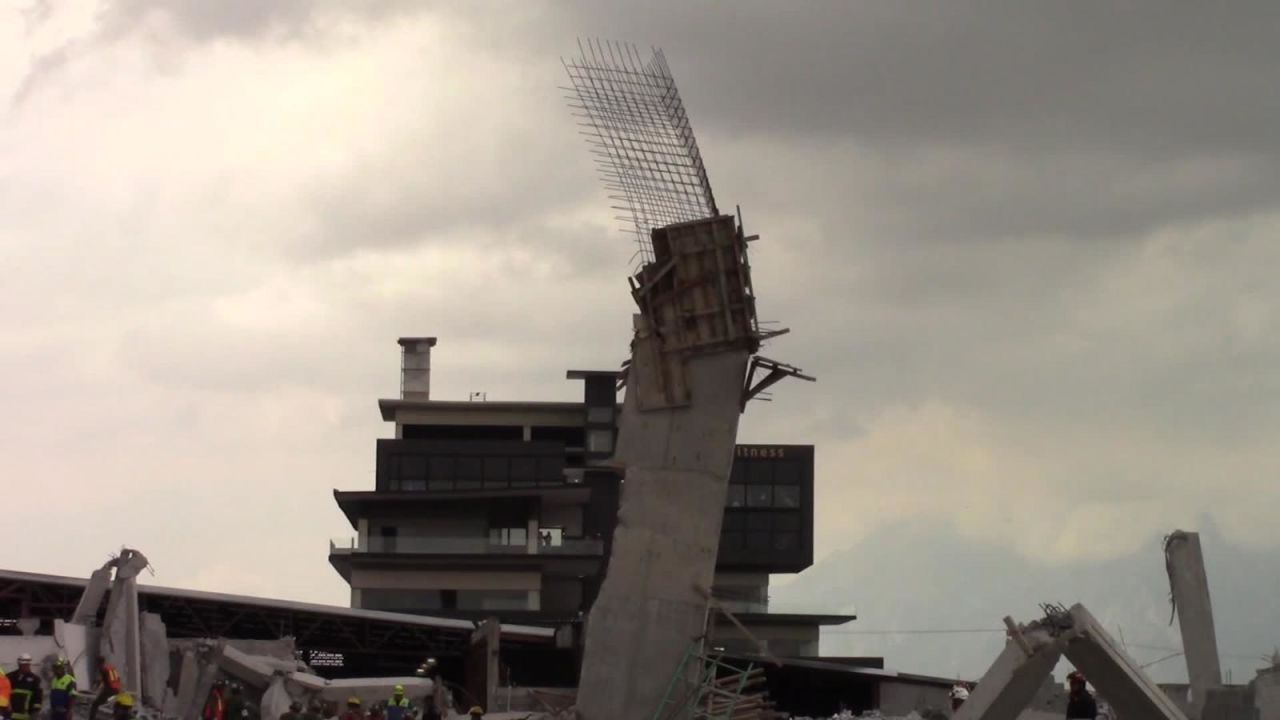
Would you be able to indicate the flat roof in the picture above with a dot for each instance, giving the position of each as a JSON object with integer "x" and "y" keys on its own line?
{"x": 522, "y": 631}
{"x": 389, "y": 406}
{"x": 355, "y": 503}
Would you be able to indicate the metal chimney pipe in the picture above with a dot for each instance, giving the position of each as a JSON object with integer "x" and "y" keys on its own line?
{"x": 415, "y": 367}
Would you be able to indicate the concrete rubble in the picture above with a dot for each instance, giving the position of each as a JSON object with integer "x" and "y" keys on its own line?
{"x": 137, "y": 644}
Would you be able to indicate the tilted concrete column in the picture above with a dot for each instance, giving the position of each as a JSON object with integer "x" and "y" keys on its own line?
{"x": 1190, "y": 588}
{"x": 677, "y": 472}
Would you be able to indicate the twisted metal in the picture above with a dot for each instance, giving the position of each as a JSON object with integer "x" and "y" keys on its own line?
{"x": 639, "y": 133}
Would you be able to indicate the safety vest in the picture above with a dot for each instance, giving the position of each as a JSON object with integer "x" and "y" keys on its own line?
{"x": 5, "y": 690}
{"x": 397, "y": 709}
{"x": 26, "y": 696}
{"x": 213, "y": 709}
{"x": 110, "y": 678}
{"x": 61, "y": 691}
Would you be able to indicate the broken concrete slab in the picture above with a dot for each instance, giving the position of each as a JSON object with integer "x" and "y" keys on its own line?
{"x": 188, "y": 678}
{"x": 155, "y": 658}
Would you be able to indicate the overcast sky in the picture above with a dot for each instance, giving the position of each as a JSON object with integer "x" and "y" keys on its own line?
{"x": 1028, "y": 249}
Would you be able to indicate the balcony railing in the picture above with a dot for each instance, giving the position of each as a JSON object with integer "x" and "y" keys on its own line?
{"x": 461, "y": 546}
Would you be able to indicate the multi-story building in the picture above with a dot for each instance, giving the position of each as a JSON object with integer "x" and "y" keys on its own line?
{"x": 498, "y": 508}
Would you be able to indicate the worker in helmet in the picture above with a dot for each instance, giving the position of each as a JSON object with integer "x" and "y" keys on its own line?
{"x": 27, "y": 697}
{"x": 353, "y": 709}
{"x": 398, "y": 706}
{"x": 215, "y": 707}
{"x": 123, "y": 709}
{"x": 1080, "y": 702}
{"x": 476, "y": 712}
{"x": 959, "y": 694}
{"x": 62, "y": 691}
{"x": 109, "y": 685}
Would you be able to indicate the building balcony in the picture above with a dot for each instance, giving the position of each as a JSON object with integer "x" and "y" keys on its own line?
{"x": 579, "y": 547}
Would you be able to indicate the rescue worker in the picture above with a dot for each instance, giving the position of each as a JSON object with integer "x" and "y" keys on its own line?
{"x": 5, "y": 691}
{"x": 27, "y": 697}
{"x": 62, "y": 691}
{"x": 376, "y": 712}
{"x": 293, "y": 713}
{"x": 959, "y": 694}
{"x": 236, "y": 708}
{"x": 109, "y": 685}
{"x": 353, "y": 709}
{"x": 398, "y": 706}
{"x": 215, "y": 707}
{"x": 123, "y": 709}
{"x": 1080, "y": 702}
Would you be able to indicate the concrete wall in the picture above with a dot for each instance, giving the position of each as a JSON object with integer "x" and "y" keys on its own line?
{"x": 901, "y": 698}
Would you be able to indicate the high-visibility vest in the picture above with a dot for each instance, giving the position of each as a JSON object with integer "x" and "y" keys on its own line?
{"x": 397, "y": 709}
{"x": 5, "y": 690}
{"x": 110, "y": 678}
{"x": 61, "y": 691}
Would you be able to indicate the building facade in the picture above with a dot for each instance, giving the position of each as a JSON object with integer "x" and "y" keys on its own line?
{"x": 506, "y": 509}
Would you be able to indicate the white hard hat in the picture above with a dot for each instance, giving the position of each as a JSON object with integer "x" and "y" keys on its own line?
{"x": 24, "y": 658}
{"x": 959, "y": 692}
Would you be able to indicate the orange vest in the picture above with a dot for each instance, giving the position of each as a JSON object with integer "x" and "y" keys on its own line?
{"x": 6, "y": 689}
{"x": 110, "y": 678}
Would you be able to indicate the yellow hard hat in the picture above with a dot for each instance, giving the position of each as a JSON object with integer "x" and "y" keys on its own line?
{"x": 399, "y": 689}
{"x": 476, "y": 710}
{"x": 353, "y": 700}
{"x": 124, "y": 699}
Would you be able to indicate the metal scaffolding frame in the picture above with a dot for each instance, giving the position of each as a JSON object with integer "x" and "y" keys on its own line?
{"x": 635, "y": 122}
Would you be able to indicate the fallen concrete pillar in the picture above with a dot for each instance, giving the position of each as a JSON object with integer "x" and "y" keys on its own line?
{"x": 1189, "y": 584}
{"x": 1014, "y": 679}
{"x": 276, "y": 699}
{"x": 1116, "y": 676}
{"x": 155, "y": 659}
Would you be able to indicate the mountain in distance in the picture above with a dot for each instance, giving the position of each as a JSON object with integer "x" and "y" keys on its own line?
{"x": 939, "y": 586}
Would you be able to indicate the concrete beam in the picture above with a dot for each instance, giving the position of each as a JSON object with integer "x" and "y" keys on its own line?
{"x": 1116, "y": 676}
{"x": 1190, "y": 588}
{"x": 1013, "y": 680}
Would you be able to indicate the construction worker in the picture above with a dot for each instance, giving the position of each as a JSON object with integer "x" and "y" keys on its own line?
{"x": 123, "y": 709}
{"x": 109, "y": 685}
{"x": 62, "y": 691}
{"x": 1080, "y": 702}
{"x": 959, "y": 694}
{"x": 5, "y": 691}
{"x": 398, "y": 706}
{"x": 27, "y": 697}
{"x": 215, "y": 707}
{"x": 236, "y": 708}
{"x": 376, "y": 712}
{"x": 353, "y": 709}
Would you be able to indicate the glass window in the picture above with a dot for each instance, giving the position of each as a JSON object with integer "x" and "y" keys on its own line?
{"x": 412, "y": 484}
{"x": 760, "y": 472}
{"x": 598, "y": 415}
{"x": 735, "y": 520}
{"x": 759, "y": 495}
{"x": 445, "y": 483}
{"x": 524, "y": 471}
{"x": 550, "y": 471}
{"x": 759, "y": 521}
{"x": 785, "y": 540}
{"x": 413, "y": 467}
{"x": 737, "y": 496}
{"x": 515, "y": 537}
{"x": 495, "y": 472}
{"x": 786, "y": 521}
{"x": 758, "y": 540}
{"x": 786, "y": 472}
{"x": 786, "y": 496}
{"x": 738, "y": 475}
{"x": 600, "y": 441}
{"x": 470, "y": 473}
{"x": 731, "y": 540}
{"x": 441, "y": 467}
